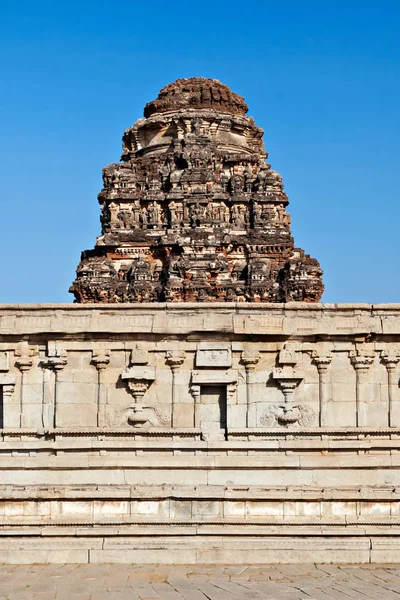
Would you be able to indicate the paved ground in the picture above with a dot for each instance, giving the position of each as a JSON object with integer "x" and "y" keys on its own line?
{"x": 126, "y": 582}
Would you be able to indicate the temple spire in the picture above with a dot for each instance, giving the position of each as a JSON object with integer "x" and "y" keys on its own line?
{"x": 194, "y": 212}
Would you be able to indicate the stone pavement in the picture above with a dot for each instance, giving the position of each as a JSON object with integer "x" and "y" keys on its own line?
{"x": 197, "y": 582}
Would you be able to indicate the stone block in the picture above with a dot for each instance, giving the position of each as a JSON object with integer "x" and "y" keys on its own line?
{"x": 109, "y": 508}
{"x": 212, "y": 354}
{"x": 35, "y": 556}
{"x": 237, "y": 416}
{"x": 166, "y": 556}
{"x": 184, "y": 415}
{"x": 150, "y": 508}
{"x": 340, "y": 509}
{"x": 181, "y": 509}
{"x": 210, "y": 377}
{"x": 264, "y": 509}
{"x": 385, "y": 550}
{"x": 68, "y": 416}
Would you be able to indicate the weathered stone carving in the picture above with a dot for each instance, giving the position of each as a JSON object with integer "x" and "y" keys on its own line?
{"x": 138, "y": 380}
{"x": 139, "y": 377}
{"x": 213, "y": 354}
{"x": 301, "y": 415}
{"x": 193, "y": 212}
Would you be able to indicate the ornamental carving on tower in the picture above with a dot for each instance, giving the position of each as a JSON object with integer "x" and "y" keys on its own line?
{"x": 193, "y": 212}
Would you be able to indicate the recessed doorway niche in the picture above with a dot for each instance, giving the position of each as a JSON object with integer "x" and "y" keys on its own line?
{"x": 213, "y": 412}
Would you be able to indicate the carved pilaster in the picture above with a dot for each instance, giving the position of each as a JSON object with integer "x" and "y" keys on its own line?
{"x": 195, "y": 390}
{"x": 361, "y": 362}
{"x": 174, "y": 358}
{"x": 54, "y": 363}
{"x": 9, "y": 413}
{"x": 231, "y": 390}
{"x": 8, "y": 390}
{"x": 323, "y": 365}
{"x": 249, "y": 359}
{"x": 100, "y": 360}
{"x": 391, "y": 362}
{"x": 23, "y": 362}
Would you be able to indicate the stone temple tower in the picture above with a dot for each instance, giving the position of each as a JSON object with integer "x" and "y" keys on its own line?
{"x": 194, "y": 213}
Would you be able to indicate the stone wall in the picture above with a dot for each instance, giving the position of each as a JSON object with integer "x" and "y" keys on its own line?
{"x": 200, "y": 433}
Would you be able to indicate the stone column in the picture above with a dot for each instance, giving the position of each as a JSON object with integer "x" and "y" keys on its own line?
{"x": 174, "y": 358}
{"x": 101, "y": 360}
{"x": 249, "y": 359}
{"x": 323, "y": 363}
{"x": 361, "y": 364}
{"x": 54, "y": 364}
{"x": 391, "y": 361}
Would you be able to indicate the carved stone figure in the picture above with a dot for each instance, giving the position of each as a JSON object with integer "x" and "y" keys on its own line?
{"x": 154, "y": 213}
{"x": 195, "y": 162}
{"x": 144, "y": 217}
{"x": 238, "y": 216}
{"x": 249, "y": 178}
{"x": 125, "y": 218}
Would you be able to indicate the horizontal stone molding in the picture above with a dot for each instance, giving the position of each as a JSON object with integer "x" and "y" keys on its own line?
{"x": 230, "y": 318}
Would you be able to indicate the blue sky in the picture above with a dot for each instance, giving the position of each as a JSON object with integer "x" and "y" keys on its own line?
{"x": 320, "y": 77}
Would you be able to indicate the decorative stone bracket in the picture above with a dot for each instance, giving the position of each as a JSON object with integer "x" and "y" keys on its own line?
{"x": 101, "y": 359}
{"x": 250, "y": 358}
{"x": 24, "y": 356}
{"x": 175, "y": 358}
{"x": 288, "y": 379}
{"x": 56, "y": 361}
{"x": 138, "y": 379}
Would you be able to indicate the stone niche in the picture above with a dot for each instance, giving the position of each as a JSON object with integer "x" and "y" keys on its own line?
{"x": 265, "y": 429}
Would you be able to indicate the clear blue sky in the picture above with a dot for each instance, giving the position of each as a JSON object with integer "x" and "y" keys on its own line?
{"x": 321, "y": 77}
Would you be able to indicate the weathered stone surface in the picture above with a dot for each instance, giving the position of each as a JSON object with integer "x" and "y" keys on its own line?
{"x": 193, "y": 212}
{"x": 199, "y": 582}
{"x": 199, "y": 433}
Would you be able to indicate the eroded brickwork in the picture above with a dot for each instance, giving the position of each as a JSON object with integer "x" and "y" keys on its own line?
{"x": 194, "y": 212}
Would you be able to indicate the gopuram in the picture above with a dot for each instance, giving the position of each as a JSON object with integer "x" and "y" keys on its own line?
{"x": 194, "y": 213}
{"x": 197, "y": 404}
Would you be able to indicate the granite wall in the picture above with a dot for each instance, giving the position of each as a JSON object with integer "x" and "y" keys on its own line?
{"x": 200, "y": 433}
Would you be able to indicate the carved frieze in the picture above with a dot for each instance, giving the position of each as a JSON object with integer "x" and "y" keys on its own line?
{"x": 213, "y": 355}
